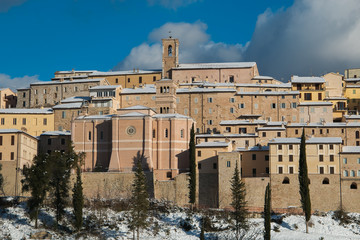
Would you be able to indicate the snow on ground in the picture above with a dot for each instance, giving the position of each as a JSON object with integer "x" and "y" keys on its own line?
{"x": 108, "y": 224}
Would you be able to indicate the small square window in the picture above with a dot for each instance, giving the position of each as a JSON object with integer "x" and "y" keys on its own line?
{"x": 199, "y": 153}
{"x": 228, "y": 164}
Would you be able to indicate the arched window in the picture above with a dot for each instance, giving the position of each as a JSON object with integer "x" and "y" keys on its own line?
{"x": 325, "y": 181}
{"x": 167, "y": 89}
{"x": 346, "y": 173}
{"x": 286, "y": 180}
{"x": 357, "y": 134}
{"x": 353, "y": 186}
{"x": 167, "y": 110}
{"x": 161, "y": 90}
{"x": 170, "y": 51}
{"x": 161, "y": 110}
{"x": 352, "y": 173}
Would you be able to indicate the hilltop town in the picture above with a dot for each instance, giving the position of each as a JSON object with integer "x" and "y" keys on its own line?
{"x": 239, "y": 116}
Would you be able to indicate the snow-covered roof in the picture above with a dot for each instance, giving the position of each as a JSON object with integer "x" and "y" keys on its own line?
{"x": 95, "y": 117}
{"x": 212, "y": 144}
{"x": 26, "y": 111}
{"x": 266, "y": 85}
{"x": 105, "y": 87}
{"x": 263, "y": 78}
{"x": 235, "y": 135}
{"x": 75, "y": 99}
{"x": 70, "y": 77}
{"x": 10, "y": 130}
{"x": 215, "y": 65}
{"x": 254, "y": 148}
{"x": 75, "y": 71}
{"x": 132, "y": 114}
{"x": 333, "y": 124}
{"x": 335, "y": 98}
{"x": 137, "y": 107}
{"x": 130, "y": 72}
{"x": 150, "y": 88}
{"x": 352, "y": 79}
{"x": 268, "y": 93}
{"x": 68, "y": 105}
{"x": 56, "y": 133}
{"x": 275, "y": 123}
{"x": 351, "y": 149}
{"x": 352, "y": 116}
{"x": 315, "y": 104}
{"x": 242, "y": 122}
{"x": 315, "y": 140}
{"x": 271, "y": 129}
{"x": 285, "y": 141}
{"x": 67, "y": 81}
{"x": 297, "y": 79}
{"x": 352, "y": 86}
{"x": 170, "y": 115}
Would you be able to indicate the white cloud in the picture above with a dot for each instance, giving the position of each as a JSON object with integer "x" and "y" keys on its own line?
{"x": 172, "y": 4}
{"x": 18, "y": 82}
{"x": 195, "y": 46}
{"x": 310, "y": 37}
{"x": 5, "y": 5}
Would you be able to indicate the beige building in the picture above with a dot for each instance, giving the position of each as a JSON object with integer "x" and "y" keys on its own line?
{"x": 112, "y": 142}
{"x": 32, "y": 121}
{"x": 17, "y": 149}
{"x": 7, "y": 98}
{"x": 310, "y": 88}
{"x": 313, "y": 112}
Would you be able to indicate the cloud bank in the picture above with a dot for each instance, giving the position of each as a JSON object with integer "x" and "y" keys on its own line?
{"x": 19, "y": 82}
{"x": 308, "y": 38}
{"x": 5, "y": 5}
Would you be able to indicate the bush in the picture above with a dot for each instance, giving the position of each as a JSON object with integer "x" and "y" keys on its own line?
{"x": 342, "y": 216}
{"x": 185, "y": 224}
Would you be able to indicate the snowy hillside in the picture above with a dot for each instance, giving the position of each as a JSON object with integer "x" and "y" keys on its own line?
{"x": 171, "y": 223}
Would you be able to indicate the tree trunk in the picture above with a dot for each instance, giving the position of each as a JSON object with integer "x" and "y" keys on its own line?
{"x": 138, "y": 233}
{"x": 307, "y": 227}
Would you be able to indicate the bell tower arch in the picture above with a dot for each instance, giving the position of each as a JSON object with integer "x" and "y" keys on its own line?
{"x": 170, "y": 55}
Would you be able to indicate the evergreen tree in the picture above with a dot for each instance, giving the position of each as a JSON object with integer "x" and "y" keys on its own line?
{"x": 267, "y": 213}
{"x": 1, "y": 182}
{"x": 139, "y": 201}
{"x": 78, "y": 200}
{"x": 36, "y": 180}
{"x": 239, "y": 214}
{"x": 304, "y": 182}
{"x": 192, "y": 182}
{"x": 202, "y": 233}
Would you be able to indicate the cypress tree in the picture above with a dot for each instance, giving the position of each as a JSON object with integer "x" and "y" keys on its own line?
{"x": 267, "y": 213}
{"x": 1, "y": 182}
{"x": 36, "y": 179}
{"x": 78, "y": 200}
{"x": 304, "y": 182}
{"x": 139, "y": 201}
{"x": 192, "y": 182}
{"x": 239, "y": 213}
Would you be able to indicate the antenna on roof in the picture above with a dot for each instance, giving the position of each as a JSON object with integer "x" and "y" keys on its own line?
{"x": 170, "y": 34}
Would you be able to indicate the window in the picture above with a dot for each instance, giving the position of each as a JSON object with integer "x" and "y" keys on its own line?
{"x": 182, "y": 133}
{"x": 242, "y": 130}
{"x": 154, "y": 78}
{"x": 210, "y": 122}
{"x": 36, "y": 91}
{"x": 279, "y": 134}
{"x": 254, "y": 172}
{"x": 246, "y": 142}
{"x": 321, "y": 158}
{"x": 286, "y": 180}
{"x": 0, "y": 155}
{"x": 358, "y": 160}
{"x": 228, "y": 129}
{"x": 63, "y": 114}
{"x": 273, "y": 105}
{"x": 331, "y": 158}
{"x": 307, "y": 96}
{"x": 12, "y": 140}
{"x": 24, "y": 103}
{"x": 279, "y": 147}
{"x": 264, "y": 134}
{"x": 63, "y": 141}
{"x": 353, "y": 186}
{"x": 321, "y": 170}
{"x": 319, "y": 96}
{"x": 231, "y": 79}
{"x": 166, "y": 133}
{"x": 331, "y": 170}
{"x": 321, "y": 147}
{"x": 199, "y": 165}
{"x": 331, "y": 146}
{"x": 296, "y": 131}
{"x": 231, "y": 110}
{"x": 12, "y": 156}
{"x": 283, "y": 105}
{"x": 280, "y": 158}
{"x": 45, "y": 121}
{"x": 128, "y": 80}
{"x": 267, "y": 170}
{"x": 210, "y": 110}
{"x": 357, "y": 134}
{"x": 291, "y": 170}
{"x": 345, "y": 160}
{"x": 210, "y": 100}
{"x": 232, "y": 100}
{"x": 1, "y": 140}
{"x": 326, "y": 181}
{"x": 280, "y": 170}
{"x": 214, "y": 166}
{"x": 75, "y": 89}
{"x": 291, "y": 158}
{"x": 293, "y": 105}
{"x": 228, "y": 164}
{"x": 345, "y": 173}
{"x": 241, "y": 105}
{"x": 140, "y": 79}
{"x": 199, "y": 153}
{"x": 266, "y": 157}
{"x": 195, "y": 100}
{"x": 352, "y": 173}
{"x": 2, "y": 121}
{"x": 253, "y": 156}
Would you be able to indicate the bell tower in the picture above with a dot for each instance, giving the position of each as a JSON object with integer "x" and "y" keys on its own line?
{"x": 170, "y": 56}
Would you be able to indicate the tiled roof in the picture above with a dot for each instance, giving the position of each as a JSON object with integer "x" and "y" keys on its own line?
{"x": 216, "y": 65}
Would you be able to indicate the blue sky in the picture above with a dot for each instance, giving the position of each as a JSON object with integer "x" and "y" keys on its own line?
{"x": 39, "y": 37}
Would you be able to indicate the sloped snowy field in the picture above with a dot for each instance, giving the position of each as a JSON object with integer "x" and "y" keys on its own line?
{"x": 16, "y": 225}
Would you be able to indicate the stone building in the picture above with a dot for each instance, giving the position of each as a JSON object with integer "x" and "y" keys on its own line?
{"x": 17, "y": 149}
{"x": 7, "y": 98}
{"x": 33, "y": 121}
{"x": 54, "y": 141}
{"x": 114, "y": 142}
